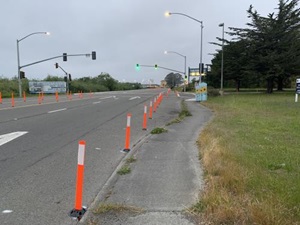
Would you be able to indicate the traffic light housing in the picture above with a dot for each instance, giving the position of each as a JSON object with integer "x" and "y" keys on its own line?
{"x": 201, "y": 68}
{"x": 65, "y": 78}
{"x": 56, "y": 65}
{"x": 93, "y": 55}
{"x": 70, "y": 77}
{"x": 65, "y": 57}
{"x": 155, "y": 66}
{"x": 137, "y": 67}
{"x": 22, "y": 74}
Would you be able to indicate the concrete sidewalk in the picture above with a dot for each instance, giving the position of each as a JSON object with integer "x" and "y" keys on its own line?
{"x": 165, "y": 179}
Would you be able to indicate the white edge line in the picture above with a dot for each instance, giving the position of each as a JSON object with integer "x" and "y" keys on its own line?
{"x": 58, "y": 110}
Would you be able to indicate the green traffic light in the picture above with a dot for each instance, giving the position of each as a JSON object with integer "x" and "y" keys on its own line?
{"x": 155, "y": 66}
{"x": 137, "y": 66}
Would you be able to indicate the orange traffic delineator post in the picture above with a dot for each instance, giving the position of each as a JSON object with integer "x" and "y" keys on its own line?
{"x": 39, "y": 98}
{"x": 150, "y": 110}
{"x": 24, "y": 96}
{"x": 0, "y": 97}
{"x": 12, "y": 100}
{"x": 127, "y": 135}
{"x": 154, "y": 105}
{"x": 79, "y": 210}
{"x": 145, "y": 118}
{"x": 56, "y": 96}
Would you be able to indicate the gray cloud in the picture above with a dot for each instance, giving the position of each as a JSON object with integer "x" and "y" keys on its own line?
{"x": 123, "y": 32}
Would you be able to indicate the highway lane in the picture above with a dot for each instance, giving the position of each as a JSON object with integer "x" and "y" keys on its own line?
{"x": 37, "y": 170}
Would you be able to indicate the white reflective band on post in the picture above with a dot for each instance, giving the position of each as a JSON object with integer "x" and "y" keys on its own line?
{"x": 145, "y": 109}
{"x": 81, "y": 149}
{"x": 150, "y": 103}
{"x": 128, "y": 121}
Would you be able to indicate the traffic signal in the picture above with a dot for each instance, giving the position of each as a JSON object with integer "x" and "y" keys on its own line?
{"x": 93, "y": 55}
{"x": 185, "y": 77}
{"x": 70, "y": 77}
{"x": 137, "y": 66}
{"x": 56, "y": 65}
{"x": 65, "y": 57}
{"x": 22, "y": 74}
{"x": 155, "y": 66}
{"x": 201, "y": 68}
{"x": 65, "y": 78}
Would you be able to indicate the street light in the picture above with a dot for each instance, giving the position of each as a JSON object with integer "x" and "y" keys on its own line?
{"x": 167, "y": 14}
{"x": 166, "y": 52}
{"x": 222, "y": 61}
{"x": 18, "y": 55}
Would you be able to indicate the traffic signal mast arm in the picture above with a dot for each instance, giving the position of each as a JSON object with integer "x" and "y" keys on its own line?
{"x": 161, "y": 67}
{"x": 55, "y": 57}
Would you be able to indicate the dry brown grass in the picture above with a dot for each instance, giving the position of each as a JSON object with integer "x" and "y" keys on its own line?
{"x": 227, "y": 198}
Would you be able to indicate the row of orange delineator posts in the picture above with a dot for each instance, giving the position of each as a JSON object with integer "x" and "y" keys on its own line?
{"x": 41, "y": 97}
{"x": 78, "y": 211}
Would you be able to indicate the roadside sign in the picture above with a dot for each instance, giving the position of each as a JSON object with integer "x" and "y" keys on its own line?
{"x": 298, "y": 86}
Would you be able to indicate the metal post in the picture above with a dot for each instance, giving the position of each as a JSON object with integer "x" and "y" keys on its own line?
{"x": 19, "y": 74}
{"x": 184, "y": 90}
{"x": 222, "y": 62}
{"x": 18, "y": 55}
{"x": 201, "y": 44}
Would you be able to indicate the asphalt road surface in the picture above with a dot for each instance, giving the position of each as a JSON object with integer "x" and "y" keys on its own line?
{"x": 39, "y": 145}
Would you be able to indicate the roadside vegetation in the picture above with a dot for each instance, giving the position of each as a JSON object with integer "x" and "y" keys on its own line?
{"x": 159, "y": 130}
{"x": 102, "y": 82}
{"x": 251, "y": 158}
{"x": 125, "y": 169}
{"x": 183, "y": 113}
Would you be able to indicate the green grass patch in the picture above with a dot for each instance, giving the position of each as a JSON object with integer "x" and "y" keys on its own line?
{"x": 131, "y": 159}
{"x": 108, "y": 207}
{"x": 250, "y": 153}
{"x": 159, "y": 130}
{"x": 183, "y": 113}
{"x": 124, "y": 170}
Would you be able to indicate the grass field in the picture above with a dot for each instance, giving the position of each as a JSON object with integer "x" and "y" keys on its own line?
{"x": 250, "y": 152}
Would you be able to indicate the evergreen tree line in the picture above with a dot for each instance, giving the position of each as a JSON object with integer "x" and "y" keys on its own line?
{"x": 102, "y": 82}
{"x": 265, "y": 54}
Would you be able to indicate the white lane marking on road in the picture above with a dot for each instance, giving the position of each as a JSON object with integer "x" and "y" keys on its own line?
{"x": 58, "y": 110}
{"x": 98, "y": 148}
{"x": 190, "y": 100}
{"x": 5, "y": 138}
{"x": 7, "y": 211}
{"x": 96, "y": 102}
{"x": 134, "y": 98}
{"x": 107, "y": 97}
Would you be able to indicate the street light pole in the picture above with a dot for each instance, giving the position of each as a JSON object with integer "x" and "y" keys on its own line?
{"x": 166, "y": 52}
{"x": 201, "y": 37}
{"x": 222, "y": 61}
{"x": 18, "y": 56}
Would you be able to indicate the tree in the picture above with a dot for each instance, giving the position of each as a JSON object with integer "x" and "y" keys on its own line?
{"x": 173, "y": 79}
{"x": 274, "y": 43}
{"x": 106, "y": 80}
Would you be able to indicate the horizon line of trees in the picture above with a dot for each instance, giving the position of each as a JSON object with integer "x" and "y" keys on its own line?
{"x": 100, "y": 83}
{"x": 266, "y": 54}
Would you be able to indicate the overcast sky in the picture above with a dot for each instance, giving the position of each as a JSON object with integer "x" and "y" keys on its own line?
{"x": 122, "y": 32}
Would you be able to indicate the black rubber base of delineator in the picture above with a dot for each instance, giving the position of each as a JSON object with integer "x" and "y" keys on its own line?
{"x": 126, "y": 150}
{"x": 78, "y": 214}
